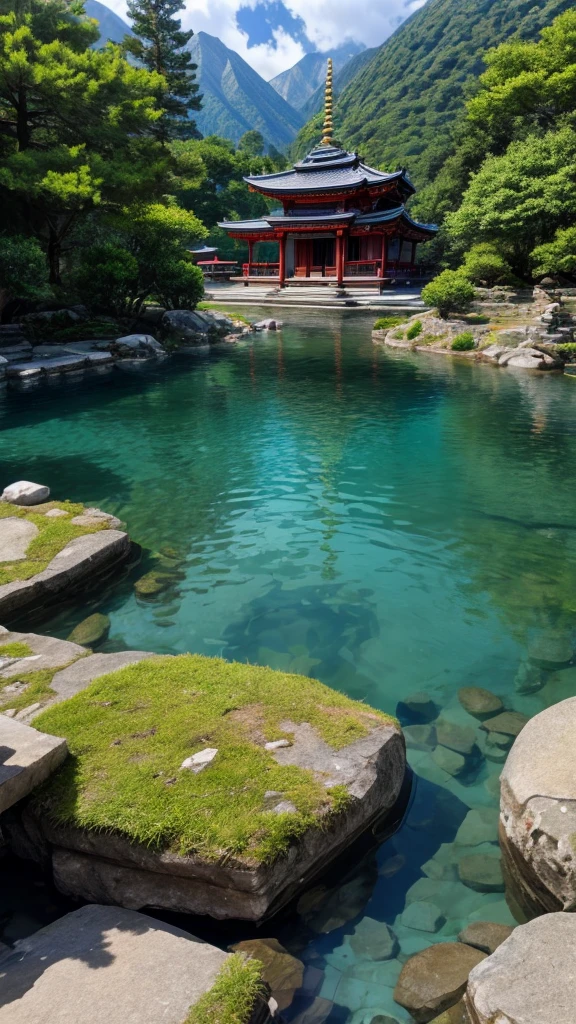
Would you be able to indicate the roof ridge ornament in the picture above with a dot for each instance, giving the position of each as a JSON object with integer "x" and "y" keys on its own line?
{"x": 328, "y": 127}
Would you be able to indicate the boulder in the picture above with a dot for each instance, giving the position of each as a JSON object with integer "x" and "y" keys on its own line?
{"x": 485, "y": 935}
{"x": 282, "y": 972}
{"x": 195, "y": 327}
{"x": 479, "y": 703}
{"x": 106, "y": 965}
{"x": 493, "y": 352}
{"x": 373, "y": 940}
{"x": 435, "y": 979}
{"x": 268, "y": 325}
{"x": 24, "y": 492}
{"x": 135, "y": 344}
{"x": 424, "y": 916}
{"x": 530, "y": 978}
{"x": 538, "y": 812}
{"x": 27, "y": 758}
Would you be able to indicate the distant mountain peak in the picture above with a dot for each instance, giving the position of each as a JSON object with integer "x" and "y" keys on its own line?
{"x": 236, "y": 98}
{"x": 112, "y": 28}
{"x": 299, "y": 82}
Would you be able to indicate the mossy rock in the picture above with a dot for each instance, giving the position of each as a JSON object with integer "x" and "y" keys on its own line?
{"x": 91, "y": 630}
{"x": 153, "y": 583}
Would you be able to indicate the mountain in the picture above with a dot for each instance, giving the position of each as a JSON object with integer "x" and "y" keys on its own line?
{"x": 315, "y": 102}
{"x": 111, "y": 26}
{"x": 298, "y": 83}
{"x": 236, "y": 98}
{"x": 399, "y": 110}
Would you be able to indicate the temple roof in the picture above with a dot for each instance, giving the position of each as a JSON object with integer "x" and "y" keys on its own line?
{"x": 327, "y": 168}
{"x": 351, "y": 218}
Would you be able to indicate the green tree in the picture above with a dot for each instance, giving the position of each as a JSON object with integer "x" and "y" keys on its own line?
{"x": 76, "y": 130}
{"x": 521, "y": 198}
{"x": 484, "y": 264}
{"x": 557, "y": 256}
{"x": 450, "y": 292}
{"x": 22, "y": 269}
{"x": 252, "y": 143}
{"x": 159, "y": 44}
{"x": 106, "y": 278}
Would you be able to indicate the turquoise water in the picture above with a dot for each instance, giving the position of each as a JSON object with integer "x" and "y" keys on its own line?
{"x": 386, "y": 522}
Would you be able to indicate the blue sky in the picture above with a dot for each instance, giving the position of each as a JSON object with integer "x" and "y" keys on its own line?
{"x": 272, "y": 35}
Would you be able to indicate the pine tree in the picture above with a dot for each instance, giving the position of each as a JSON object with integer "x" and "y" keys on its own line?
{"x": 158, "y": 43}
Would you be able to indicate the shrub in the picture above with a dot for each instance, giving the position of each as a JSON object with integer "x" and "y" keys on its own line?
{"x": 179, "y": 283}
{"x": 567, "y": 351}
{"x": 386, "y": 323}
{"x": 484, "y": 264}
{"x": 557, "y": 256}
{"x": 449, "y": 292}
{"x": 107, "y": 277}
{"x": 463, "y": 342}
{"x": 23, "y": 269}
{"x": 414, "y": 330}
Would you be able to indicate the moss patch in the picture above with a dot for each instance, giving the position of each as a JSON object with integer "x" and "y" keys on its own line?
{"x": 15, "y": 650}
{"x": 54, "y": 534}
{"x": 129, "y": 733}
{"x": 215, "y": 307}
{"x": 385, "y": 323}
{"x": 232, "y": 996}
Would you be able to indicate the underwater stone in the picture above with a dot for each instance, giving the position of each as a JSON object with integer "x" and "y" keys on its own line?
{"x": 485, "y": 935}
{"x": 92, "y": 629}
{"x": 420, "y": 737}
{"x": 460, "y": 738}
{"x": 282, "y": 972}
{"x": 417, "y": 707}
{"x": 373, "y": 940}
{"x": 435, "y": 979}
{"x": 510, "y": 723}
{"x": 479, "y": 826}
{"x": 425, "y": 917}
{"x": 449, "y": 760}
{"x": 551, "y": 649}
{"x": 479, "y": 702}
{"x": 481, "y": 872}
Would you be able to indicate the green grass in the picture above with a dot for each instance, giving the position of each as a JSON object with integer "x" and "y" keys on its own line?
{"x": 54, "y": 535}
{"x": 233, "y": 995}
{"x": 15, "y": 650}
{"x": 217, "y": 308}
{"x": 129, "y": 732}
{"x": 463, "y": 342}
{"x": 38, "y": 689}
{"x": 386, "y": 323}
{"x": 414, "y": 330}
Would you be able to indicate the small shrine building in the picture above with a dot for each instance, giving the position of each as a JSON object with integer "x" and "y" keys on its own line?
{"x": 340, "y": 219}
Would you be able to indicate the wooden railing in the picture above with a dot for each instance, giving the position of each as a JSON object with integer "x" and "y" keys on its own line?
{"x": 362, "y": 268}
{"x": 260, "y": 269}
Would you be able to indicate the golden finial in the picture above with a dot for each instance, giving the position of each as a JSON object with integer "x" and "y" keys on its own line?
{"x": 328, "y": 128}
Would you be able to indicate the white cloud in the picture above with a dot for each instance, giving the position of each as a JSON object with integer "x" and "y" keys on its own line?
{"x": 328, "y": 24}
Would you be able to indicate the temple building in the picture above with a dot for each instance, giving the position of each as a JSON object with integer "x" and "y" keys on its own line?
{"x": 339, "y": 220}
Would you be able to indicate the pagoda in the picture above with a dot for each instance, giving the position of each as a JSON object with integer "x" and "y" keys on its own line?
{"x": 340, "y": 220}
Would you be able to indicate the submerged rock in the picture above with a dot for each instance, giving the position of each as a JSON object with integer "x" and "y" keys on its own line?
{"x": 485, "y": 935}
{"x": 435, "y": 979}
{"x": 282, "y": 972}
{"x": 479, "y": 702}
{"x": 91, "y": 630}
{"x": 374, "y": 940}
{"x": 457, "y": 737}
{"x": 510, "y": 723}
{"x": 482, "y": 872}
{"x": 417, "y": 707}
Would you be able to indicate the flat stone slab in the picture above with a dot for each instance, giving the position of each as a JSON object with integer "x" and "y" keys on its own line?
{"x": 106, "y": 965}
{"x": 78, "y": 676}
{"x": 27, "y": 758}
{"x": 47, "y": 652}
{"x": 530, "y": 978}
{"x": 58, "y": 365}
{"x": 15, "y": 536}
{"x": 70, "y": 570}
{"x": 538, "y": 811}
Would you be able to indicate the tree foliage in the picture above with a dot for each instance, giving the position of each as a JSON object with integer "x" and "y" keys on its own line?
{"x": 22, "y": 269}
{"x": 557, "y": 256}
{"x": 484, "y": 264}
{"x": 159, "y": 44}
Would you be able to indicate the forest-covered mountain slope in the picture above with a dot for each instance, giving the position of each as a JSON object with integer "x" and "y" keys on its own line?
{"x": 298, "y": 83}
{"x": 351, "y": 68}
{"x": 235, "y": 98}
{"x": 111, "y": 26}
{"x": 399, "y": 110}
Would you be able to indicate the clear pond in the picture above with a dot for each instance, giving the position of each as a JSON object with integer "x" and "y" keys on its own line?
{"x": 386, "y": 522}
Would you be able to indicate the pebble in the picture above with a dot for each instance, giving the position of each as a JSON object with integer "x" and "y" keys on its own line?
{"x": 55, "y": 513}
{"x": 277, "y": 744}
{"x": 479, "y": 702}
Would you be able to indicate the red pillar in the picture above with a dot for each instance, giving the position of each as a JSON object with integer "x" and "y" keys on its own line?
{"x": 282, "y": 260}
{"x": 250, "y": 251}
{"x": 383, "y": 257}
{"x": 339, "y": 259}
